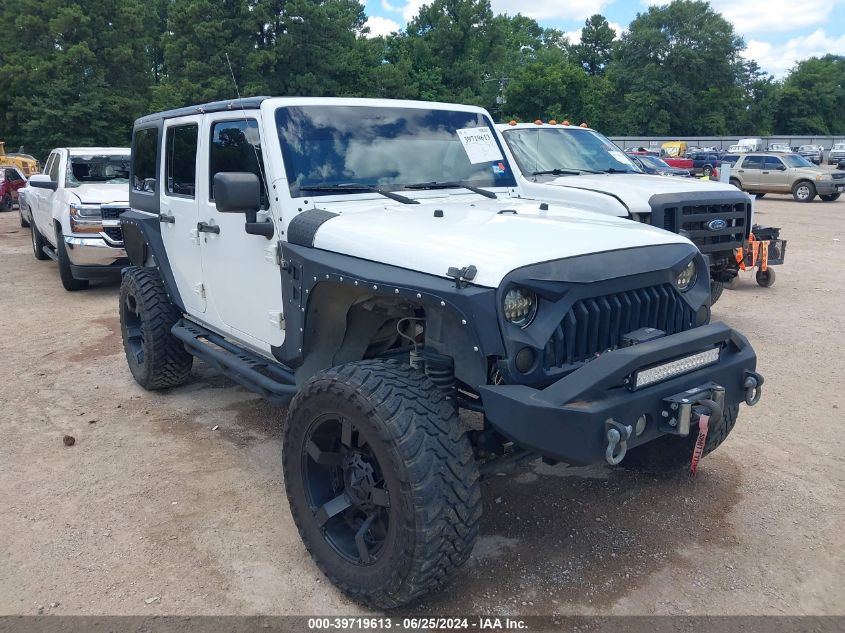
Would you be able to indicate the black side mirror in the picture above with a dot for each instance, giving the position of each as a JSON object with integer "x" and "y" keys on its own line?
{"x": 240, "y": 192}
{"x": 782, "y": 168}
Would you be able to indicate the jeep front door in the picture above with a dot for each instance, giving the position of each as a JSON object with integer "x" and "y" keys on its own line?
{"x": 179, "y": 210}
{"x": 241, "y": 276}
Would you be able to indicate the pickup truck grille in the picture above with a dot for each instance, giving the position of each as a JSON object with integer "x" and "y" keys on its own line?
{"x": 597, "y": 324}
{"x": 111, "y": 223}
{"x": 692, "y": 219}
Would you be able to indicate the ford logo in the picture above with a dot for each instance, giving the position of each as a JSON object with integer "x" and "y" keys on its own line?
{"x": 717, "y": 225}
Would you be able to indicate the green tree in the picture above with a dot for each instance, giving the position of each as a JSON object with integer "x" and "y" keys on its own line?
{"x": 812, "y": 100}
{"x": 594, "y": 51}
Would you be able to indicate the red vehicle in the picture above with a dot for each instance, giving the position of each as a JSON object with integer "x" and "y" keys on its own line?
{"x": 11, "y": 179}
{"x": 679, "y": 163}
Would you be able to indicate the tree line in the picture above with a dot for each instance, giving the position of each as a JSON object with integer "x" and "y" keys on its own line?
{"x": 78, "y": 72}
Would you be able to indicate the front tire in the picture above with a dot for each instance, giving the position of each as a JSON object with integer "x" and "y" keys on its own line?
{"x": 38, "y": 244}
{"x": 759, "y": 195}
{"x": 830, "y": 197}
{"x": 736, "y": 183}
{"x": 381, "y": 480}
{"x": 6, "y": 203}
{"x": 24, "y": 221}
{"x": 672, "y": 452}
{"x": 156, "y": 358}
{"x": 69, "y": 282}
{"x": 716, "y": 290}
{"x": 804, "y": 191}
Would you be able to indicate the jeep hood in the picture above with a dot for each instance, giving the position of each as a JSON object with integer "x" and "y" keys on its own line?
{"x": 496, "y": 236}
{"x": 101, "y": 193}
{"x": 636, "y": 189}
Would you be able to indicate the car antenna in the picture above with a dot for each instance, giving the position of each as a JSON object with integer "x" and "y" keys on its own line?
{"x": 246, "y": 120}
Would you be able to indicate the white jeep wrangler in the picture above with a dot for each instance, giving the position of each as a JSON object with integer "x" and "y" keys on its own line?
{"x": 363, "y": 258}
{"x": 579, "y": 167}
{"x": 74, "y": 209}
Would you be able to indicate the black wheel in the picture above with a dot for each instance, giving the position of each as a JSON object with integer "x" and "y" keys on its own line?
{"x": 766, "y": 278}
{"x": 24, "y": 222}
{"x": 830, "y": 197}
{"x": 69, "y": 282}
{"x": 672, "y": 452}
{"x": 708, "y": 170}
{"x": 733, "y": 284}
{"x": 156, "y": 358}
{"x": 716, "y": 289}
{"x": 759, "y": 195}
{"x": 6, "y": 203}
{"x": 381, "y": 480}
{"x": 804, "y": 191}
{"x": 38, "y": 244}
{"x": 735, "y": 182}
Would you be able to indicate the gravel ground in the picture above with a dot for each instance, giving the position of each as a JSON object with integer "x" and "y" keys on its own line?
{"x": 152, "y": 511}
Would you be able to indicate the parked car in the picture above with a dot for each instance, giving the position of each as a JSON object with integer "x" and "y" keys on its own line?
{"x": 654, "y": 165}
{"x": 813, "y": 153}
{"x": 841, "y": 164}
{"x": 783, "y": 148}
{"x": 75, "y": 209}
{"x": 704, "y": 163}
{"x": 729, "y": 159}
{"x": 365, "y": 259}
{"x": 12, "y": 181}
{"x": 568, "y": 163}
{"x": 761, "y": 173}
{"x": 836, "y": 154}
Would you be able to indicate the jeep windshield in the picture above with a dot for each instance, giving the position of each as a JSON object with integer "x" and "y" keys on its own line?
{"x": 110, "y": 169}
{"x": 388, "y": 149}
{"x": 564, "y": 151}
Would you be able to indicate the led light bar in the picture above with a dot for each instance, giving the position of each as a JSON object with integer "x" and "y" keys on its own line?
{"x": 646, "y": 377}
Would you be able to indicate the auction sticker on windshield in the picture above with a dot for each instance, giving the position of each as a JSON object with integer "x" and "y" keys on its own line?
{"x": 479, "y": 144}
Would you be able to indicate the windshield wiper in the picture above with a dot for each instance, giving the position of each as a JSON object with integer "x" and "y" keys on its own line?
{"x": 353, "y": 188}
{"x": 565, "y": 171}
{"x": 452, "y": 185}
{"x": 613, "y": 170}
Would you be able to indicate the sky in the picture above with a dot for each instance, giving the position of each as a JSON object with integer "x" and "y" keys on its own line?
{"x": 777, "y": 33}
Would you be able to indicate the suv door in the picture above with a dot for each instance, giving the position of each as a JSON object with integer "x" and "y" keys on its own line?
{"x": 774, "y": 176}
{"x": 179, "y": 207}
{"x": 240, "y": 271}
{"x": 749, "y": 171}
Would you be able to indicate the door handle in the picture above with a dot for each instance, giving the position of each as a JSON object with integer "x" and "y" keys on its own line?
{"x": 166, "y": 219}
{"x": 204, "y": 227}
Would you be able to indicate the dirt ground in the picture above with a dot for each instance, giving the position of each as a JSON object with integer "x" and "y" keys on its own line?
{"x": 152, "y": 511}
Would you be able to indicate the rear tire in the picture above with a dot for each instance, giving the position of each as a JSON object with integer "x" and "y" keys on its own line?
{"x": 156, "y": 358}
{"x": 716, "y": 290}
{"x": 672, "y": 452}
{"x": 708, "y": 170}
{"x": 804, "y": 191}
{"x": 38, "y": 244}
{"x": 6, "y": 203}
{"x": 736, "y": 183}
{"x": 70, "y": 283}
{"x": 766, "y": 278}
{"x": 830, "y": 197}
{"x": 409, "y": 523}
{"x": 759, "y": 195}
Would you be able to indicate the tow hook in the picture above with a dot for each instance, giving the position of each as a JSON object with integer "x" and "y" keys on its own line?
{"x": 753, "y": 385}
{"x": 617, "y": 438}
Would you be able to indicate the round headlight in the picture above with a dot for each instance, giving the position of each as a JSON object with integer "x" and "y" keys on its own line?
{"x": 520, "y": 306}
{"x": 687, "y": 277}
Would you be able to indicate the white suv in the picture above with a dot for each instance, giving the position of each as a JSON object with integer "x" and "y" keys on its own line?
{"x": 75, "y": 208}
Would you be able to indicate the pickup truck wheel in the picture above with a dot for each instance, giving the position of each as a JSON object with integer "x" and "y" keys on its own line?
{"x": 156, "y": 358}
{"x": 672, "y": 452}
{"x": 804, "y": 191}
{"x": 69, "y": 282}
{"x": 38, "y": 244}
{"x": 381, "y": 480}
{"x": 830, "y": 197}
{"x": 6, "y": 203}
{"x": 716, "y": 290}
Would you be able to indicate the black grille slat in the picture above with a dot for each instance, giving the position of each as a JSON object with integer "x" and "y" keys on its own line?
{"x": 112, "y": 213}
{"x": 691, "y": 220}
{"x": 596, "y": 324}
{"x": 115, "y": 233}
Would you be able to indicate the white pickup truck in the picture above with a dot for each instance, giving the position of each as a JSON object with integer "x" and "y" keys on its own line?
{"x": 75, "y": 206}
{"x": 580, "y": 168}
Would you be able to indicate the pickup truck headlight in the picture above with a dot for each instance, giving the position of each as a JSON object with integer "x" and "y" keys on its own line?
{"x": 687, "y": 277}
{"x": 520, "y": 306}
{"x": 85, "y": 218}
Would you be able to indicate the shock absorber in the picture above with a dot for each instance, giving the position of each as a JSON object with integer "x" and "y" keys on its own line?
{"x": 440, "y": 369}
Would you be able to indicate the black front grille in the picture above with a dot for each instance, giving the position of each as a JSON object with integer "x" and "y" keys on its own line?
{"x": 112, "y": 213}
{"x": 838, "y": 175}
{"x": 692, "y": 220}
{"x": 597, "y": 324}
{"x": 115, "y": 233}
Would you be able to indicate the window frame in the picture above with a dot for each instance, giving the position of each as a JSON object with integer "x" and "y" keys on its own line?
{"x": 167, "y": 160}
{"x": 265, "y": 194}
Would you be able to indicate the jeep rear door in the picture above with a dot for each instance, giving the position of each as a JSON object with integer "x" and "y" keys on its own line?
{"x": 242, "y": 279}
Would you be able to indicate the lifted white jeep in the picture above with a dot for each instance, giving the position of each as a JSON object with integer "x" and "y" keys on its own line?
{"x": 364, "y": 259}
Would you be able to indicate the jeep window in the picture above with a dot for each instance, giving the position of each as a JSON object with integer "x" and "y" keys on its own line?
{"x": 144, "y": 150}
{"x": 110, "y": 169}
{"x": 560, "y": 148}
{"x": 753, "y": 162}
{"x": 794, "y": 160}
{"x": 236, "y": 146}
{"x": 384, "y": 147}
{"x": 772, "y": 162}
{"x": 181, "y": 159}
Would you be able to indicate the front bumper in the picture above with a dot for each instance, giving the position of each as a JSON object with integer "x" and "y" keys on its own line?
{"x": 93, "y": 258}
{"x": 826, "y": 187}
{"x": 567, "y": 420}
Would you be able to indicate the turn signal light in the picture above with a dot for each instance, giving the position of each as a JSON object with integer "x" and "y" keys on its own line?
{"x": 538, "y": 122}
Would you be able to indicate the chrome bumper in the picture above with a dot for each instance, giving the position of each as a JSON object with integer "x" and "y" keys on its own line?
{"x": 92, "y": 251}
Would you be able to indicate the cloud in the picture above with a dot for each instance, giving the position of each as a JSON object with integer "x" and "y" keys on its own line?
{"x": 779, "y": 58}
{"x": 381, "y": 26}
{"x": 390, "y": 7}
{"x": 574, "y": 37}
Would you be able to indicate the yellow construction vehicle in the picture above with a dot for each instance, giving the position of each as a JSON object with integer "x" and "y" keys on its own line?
{"x": 26, "y": 163}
